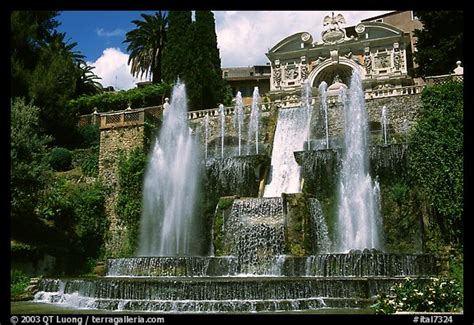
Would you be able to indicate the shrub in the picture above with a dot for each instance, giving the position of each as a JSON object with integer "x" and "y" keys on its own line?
{"x": 60, "y": 159}
{"x": 89, "y": 162}
{"x": 89, "y": 135}
{"x": 436, "y": 295}
{"x": 18, "y": 283}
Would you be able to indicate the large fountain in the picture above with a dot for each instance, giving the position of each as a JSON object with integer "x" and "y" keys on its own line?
{"x": 359, "y": 225}
{"x": 169, "y": 195}
{"x": 272, "y": 253}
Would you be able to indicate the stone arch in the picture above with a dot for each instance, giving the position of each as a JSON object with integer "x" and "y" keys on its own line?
{"x": 329, "y": 69}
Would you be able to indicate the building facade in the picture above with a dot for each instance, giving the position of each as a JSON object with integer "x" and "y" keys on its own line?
{"x": 380, "y": 52}
{"x": 245, "y": 79}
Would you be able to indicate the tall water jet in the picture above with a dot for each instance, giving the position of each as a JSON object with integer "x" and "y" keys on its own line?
{"x": 324, "y": 107}
{"x": 358, "y": 214}
{"x": 239, "y": 118}
{"x": 222, "y": 125}
{"x": 306, "y": 102}
{"x": 206, "y": 134}
{"x": 384, "y": 123}
{"x": 284, "y": 175}
{"x": 167, "y": 227}
{"x": 254, "y": 121}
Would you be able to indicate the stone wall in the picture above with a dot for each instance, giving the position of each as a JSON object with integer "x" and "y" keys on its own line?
{"x": 266, "y": 130}
{"x": 402, "y": 111}
{"x": 114, "y": 142}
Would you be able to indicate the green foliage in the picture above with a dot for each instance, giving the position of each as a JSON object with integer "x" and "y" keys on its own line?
{"x": 76, "y": 213}
{"x": 146, "y": 44}
{"x": 90, "y": 163}
{"x": 191, "y": 54}
{"x": 131, "y": 169}
{"x": 177, "y": 55}
{"x": 29, "y": 156}
{"x": 29, "y": 31}
{"x": 435, "y": 295}
{"x": 151, "y": 95}
{"x": 401, "y": 221}
{"x": 206, "y": 89}
{"x": 436, "y": 161}
{"x": 90, "y": 219}
{"x": 47, "y": 70}
{"x": 18, "y": 282}
{"x": 220, "y": 247}
{"x": 90, "y": 135}
{"x": 60, "y": 159}
{"x": 440, "y": 43}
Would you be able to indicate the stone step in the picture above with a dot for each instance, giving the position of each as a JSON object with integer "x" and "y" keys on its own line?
{"x": 329, "y": 265}
{"x": 205, "y": 306}
{"x": 220, "y": 288}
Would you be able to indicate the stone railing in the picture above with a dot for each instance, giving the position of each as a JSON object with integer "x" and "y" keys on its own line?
{"x": 128, "y": 117}
{"x": 390, "y": 92}
{"x": 88, "y": 119}
{"x": 441, "y": 80}
{"x": 230, "y": 110}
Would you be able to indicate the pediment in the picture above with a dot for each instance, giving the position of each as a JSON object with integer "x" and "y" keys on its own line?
{"x": 292, "y": 43}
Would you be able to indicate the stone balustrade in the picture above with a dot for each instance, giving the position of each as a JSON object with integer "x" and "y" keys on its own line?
{"x": 128, "y": 117}
{"x": 132, "y": 117}
{"x": 390, "y": 92}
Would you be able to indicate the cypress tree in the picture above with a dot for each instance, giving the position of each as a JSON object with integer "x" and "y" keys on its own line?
{"x": 208, "y": 62}
{"x": 177, "y": 52}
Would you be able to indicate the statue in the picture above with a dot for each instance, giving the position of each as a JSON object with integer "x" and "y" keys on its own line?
{"x": 332, "y": 23}
{"x": 332, "y": 33}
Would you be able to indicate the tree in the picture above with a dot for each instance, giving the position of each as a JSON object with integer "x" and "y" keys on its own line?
{"x": 29, "y": 159}
{"x": 30, "y": 30}
{"x": 436, "y": 157}
{"x": 206, "y": 63}
{"x": 178, "y": 50}
{"x": 440, "y": 42}
{"x": 146, "y": 44}
{"x": 191, "y": 54}
{"x": 47, "y": 69}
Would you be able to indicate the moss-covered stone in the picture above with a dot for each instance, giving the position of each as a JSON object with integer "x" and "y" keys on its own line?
{"x": 299, "y": 239}
{"x": 222, "y": 210}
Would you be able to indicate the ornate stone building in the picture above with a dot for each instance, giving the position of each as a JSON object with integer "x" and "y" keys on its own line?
{"x": 379, "y": 52}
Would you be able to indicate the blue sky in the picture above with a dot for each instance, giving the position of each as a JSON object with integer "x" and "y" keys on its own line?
{"x": 243, "y": 36}
{"x": 95, "y": 31}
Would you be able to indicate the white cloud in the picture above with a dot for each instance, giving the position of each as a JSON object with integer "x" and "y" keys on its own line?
{"x": 116, "y": 32}
{"x": 245, "y": 36}
{"x": 112, "y": 67}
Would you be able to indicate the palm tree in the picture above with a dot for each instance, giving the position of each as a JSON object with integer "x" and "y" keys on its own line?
{"x": 146, "y": 44}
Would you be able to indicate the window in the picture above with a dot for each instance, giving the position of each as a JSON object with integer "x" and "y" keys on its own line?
{"x": 251, "y": 73}
{"x": 380, "y": 20}
{"x": 226, "y": 74}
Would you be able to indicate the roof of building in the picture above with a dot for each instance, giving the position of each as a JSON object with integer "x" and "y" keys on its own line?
{"x": 382, "y": 16}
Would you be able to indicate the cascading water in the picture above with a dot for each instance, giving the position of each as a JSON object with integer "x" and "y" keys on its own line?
{"x": 384, "y": 122}
{"x": 320, "y": 228}
{"x": 254, "y": 121}
{"x": 166, "y": 227}
{"x": 222, "y": 125}
{"x": 206, "y": 134}
{"x": 324, "y": 107}
{"x": 306, "y": 98}
{"x": 285, "y": 171}
{"x": 239, "y": 118}
{"x": 358, "y": 214}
